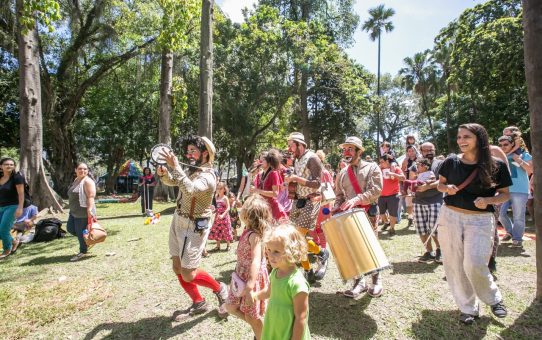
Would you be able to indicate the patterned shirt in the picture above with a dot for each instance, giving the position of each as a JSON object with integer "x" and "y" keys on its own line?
{"x": 200, "y": 185}
{"x": 309, "y": 167}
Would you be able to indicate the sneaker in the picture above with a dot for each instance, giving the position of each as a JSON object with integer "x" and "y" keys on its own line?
{"x": 468, "y": 319}
{"x": 410, "y": 222}
{"x": 359, "y": 287}
{"x": 77, "y": 257}
{"x": 376, "y": 289}
{"x": 323, "y": 258}
{"x": 506, "y": 237}
{"x": 499, "y": 310}
{"x": 517, "y": 244}
{"x": 196, "y": 309}
{"x": 310, "y": 276}
{"x": 426, "y": 258}
{"x": 221, "y": 296}
{"x": 385, "y": 226}
{"x": 438, "y": 256}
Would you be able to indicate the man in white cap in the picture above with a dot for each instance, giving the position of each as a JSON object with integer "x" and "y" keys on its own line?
{"x": 306, "y": 205}
{"x": 192, "y": 221}
{"x": 358, "y": 186}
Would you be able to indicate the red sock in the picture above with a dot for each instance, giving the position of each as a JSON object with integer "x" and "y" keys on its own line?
{"x": 204, "y": 279}
{"x": 191, "y": 289}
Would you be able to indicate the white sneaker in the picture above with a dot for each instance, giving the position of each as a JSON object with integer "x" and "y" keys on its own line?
{"x": 77, "y": 257}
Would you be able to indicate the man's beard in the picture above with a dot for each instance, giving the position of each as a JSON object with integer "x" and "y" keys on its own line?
{"x": 430, "y": 156}
{"x": 193, "y": 164}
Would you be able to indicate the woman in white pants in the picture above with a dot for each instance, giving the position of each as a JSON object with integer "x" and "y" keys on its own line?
{"x": 473, "y": 182}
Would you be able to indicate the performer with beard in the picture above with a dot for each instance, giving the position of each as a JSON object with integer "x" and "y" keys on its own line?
{"x": 192, "y": 220}
{"x": 306, "y": 205}
{"x": 361, "y": 194}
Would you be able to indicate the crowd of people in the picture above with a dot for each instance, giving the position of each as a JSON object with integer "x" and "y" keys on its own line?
{"x": 454, "y": 203}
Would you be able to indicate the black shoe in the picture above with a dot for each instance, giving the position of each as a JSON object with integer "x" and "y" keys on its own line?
{"x": 426, "y": 258}
{"x": 499, "y": 310}
{"x": 323, "y": 258}
{"x": 438, "y": 256}
{"x": 492, "y": 265}
{"x": 391, "y": 232}
{"x": 506, "y": 237}
{"x": 385, "y": 226}
{"x": 468, "y": 319}
{"x": 410, "y": 222}
{"x": 309, "y": 276}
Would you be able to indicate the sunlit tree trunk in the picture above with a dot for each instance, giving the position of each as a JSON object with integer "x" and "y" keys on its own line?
{"x": 31, "y": 124}
{"x": 532, "y": 25}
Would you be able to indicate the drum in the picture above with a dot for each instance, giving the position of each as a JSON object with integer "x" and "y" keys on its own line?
{"x": 354, "y": 244}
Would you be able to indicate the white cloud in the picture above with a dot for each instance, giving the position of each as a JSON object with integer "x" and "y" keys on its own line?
{"x": 233, "y": 8}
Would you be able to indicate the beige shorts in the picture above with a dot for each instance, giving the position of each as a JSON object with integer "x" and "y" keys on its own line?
{"x": 305, "y": 217}
{"x": 181, "y": 233}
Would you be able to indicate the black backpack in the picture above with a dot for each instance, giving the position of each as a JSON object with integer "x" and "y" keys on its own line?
{"x": 48, "y": 229}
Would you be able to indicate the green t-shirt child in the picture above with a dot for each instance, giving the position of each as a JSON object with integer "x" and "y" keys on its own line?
{"x": 279, "y": 317}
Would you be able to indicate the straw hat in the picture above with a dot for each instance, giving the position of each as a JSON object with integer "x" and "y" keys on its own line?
{"x": 297, "y": 137}
{"x": 352, "y": 141}
{"x": 210, "y": 148}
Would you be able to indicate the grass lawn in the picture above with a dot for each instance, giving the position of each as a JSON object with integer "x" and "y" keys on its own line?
{"x": 126, "y": 290}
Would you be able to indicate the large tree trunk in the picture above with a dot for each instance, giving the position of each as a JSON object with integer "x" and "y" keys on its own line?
{"x": 206, "y": 70}
{"x": 532, "y": 25}
{"x": 162, "y": 191}
{"x": 62, "y": 156}
{"x": 31, "y": 131}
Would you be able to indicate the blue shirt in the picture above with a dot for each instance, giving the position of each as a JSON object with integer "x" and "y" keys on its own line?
{"x": 520, "y": 178}
{"x": 28, "y": 213}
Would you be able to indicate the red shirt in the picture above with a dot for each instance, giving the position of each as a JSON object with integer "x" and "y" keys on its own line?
{"x": 391, "y": 185}
{"x": 274, "y": 179}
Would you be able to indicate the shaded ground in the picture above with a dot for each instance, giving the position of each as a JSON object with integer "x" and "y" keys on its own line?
{"x": 126, "y": 290}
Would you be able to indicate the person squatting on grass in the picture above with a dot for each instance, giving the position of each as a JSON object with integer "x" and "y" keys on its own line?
{"x": 81, "y": 196}
{"x": 191, "y": 222}
{"x": 287, "y": 315}
{"x": 251, "y": 265}
{"x": 11, "y": 201}
{"x": 466, "y": 221}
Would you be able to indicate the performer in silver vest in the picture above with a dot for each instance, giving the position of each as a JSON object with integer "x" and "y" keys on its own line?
{"x": 307, "y": 180}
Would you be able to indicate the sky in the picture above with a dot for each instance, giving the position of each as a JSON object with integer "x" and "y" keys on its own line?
{"x": 417, "y": 23}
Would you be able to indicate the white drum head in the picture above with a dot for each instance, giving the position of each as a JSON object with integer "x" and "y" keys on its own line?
{"x": 157, "y": 150}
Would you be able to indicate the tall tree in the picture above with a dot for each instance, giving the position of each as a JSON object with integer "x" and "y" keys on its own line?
{"x": 532, "y": 25}
{"x": 378, "y": 22}
{"x": 206, "y": 70}
{"x": 420, "y": 75}
{"x": 31, "y": 122}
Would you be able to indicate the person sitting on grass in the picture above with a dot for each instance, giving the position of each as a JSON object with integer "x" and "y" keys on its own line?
{"x": 287, "y": 315}
{"x": 24, "y": 223}
{"x": 251, "y": 265}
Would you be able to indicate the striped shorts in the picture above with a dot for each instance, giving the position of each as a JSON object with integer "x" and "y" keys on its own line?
{"x": 425, "y": 217}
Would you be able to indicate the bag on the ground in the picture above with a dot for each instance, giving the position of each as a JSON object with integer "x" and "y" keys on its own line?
{"x": 96, "y": 233}
{"x": 48, "y": 229}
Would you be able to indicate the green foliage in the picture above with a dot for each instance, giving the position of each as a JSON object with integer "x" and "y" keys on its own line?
{"x": 486, "y": 66}
{"x": 378, "y": 21}
{"x": 180, "y": 20}
{"x": 45, "y": 11}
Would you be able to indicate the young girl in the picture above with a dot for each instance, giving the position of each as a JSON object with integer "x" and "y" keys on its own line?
{"x": 221, "y": 229}
{"x": 287, "y": 315}
{"x": 251, "y": 264}
{"x": 234, "y": 214}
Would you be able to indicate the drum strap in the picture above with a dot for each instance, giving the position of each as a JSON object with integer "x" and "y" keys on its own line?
{"x": 355, "y": 185}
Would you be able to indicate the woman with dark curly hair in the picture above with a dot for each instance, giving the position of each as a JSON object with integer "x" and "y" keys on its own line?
{"x": 147, "y": 182}
{"x": 473, "y": 182}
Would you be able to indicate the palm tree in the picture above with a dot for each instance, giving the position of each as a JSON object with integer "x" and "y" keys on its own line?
{"x": 421, "y": 76}
{"x": 379, "y": 20}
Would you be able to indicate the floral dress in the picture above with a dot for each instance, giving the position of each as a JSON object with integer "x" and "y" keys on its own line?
{"x": 244, "y": 261}
{"x": 221, "y": 229}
